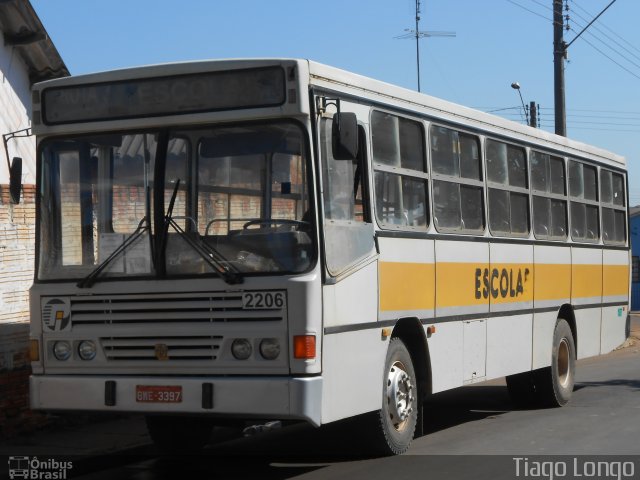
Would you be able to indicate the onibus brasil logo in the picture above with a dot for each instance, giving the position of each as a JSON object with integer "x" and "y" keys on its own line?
{"x": 32, "y": 468}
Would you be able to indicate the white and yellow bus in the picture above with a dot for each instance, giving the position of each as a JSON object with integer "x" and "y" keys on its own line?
{"x": 280, "y": 239}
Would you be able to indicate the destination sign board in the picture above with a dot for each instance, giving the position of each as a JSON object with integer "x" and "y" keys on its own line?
{"x": 159, "y": 96}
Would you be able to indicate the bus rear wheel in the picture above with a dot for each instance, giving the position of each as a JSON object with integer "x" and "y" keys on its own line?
{"x": 396, "y": 421}
{"x": 554, "y": 384}
{"x": 551, "y": 386}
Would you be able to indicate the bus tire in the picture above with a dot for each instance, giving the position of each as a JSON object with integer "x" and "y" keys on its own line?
{"x": 397, "y": 419}
{"x": 178, "y": 435}
{"x": 522, "y": 390}
{"x": 554, "y": 384}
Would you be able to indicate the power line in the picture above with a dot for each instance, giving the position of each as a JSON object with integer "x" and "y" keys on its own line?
{"x": 589, "y": 24}
{"x": 530, "y": 11}
{"x": 607, "y": 56}
{"x": 624, "y": 112}
{"x": 604, "y": 43}
{"x": 608, "y": 46}
{"x": 608, "y": 36}
{"x": 610, "y": 30}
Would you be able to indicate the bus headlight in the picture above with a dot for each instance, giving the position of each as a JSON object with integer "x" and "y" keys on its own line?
{"x": 241, "y": 348}
{"x": 87, "y": 350}
{"x": 270, "y": 348}
{"x": 62, "y": 350}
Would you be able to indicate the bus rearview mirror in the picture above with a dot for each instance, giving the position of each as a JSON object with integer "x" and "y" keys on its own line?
{"x": 15, "y": 179}
{"x": 344, "y": 136}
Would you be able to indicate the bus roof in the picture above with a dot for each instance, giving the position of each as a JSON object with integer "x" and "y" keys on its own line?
{"x": 335, "y": 79}
{"x": 328, "y": 77}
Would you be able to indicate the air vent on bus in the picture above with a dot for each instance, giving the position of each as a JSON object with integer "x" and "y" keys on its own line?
{"x": 161, "y": 348}
{"x": 166, "y": 309}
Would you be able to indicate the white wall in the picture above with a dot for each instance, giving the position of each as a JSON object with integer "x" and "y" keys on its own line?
{"x": 15, "y": 113}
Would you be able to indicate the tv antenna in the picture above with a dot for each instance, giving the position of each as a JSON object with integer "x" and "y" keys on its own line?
{"x": 418, "y": 34}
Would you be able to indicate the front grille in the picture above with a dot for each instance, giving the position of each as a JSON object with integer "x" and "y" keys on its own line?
{"x": 166, "y": 309}
{"x": 158, "y": 348}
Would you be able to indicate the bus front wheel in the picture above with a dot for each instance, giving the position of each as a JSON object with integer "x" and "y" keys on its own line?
{"x": 396, "y": 420}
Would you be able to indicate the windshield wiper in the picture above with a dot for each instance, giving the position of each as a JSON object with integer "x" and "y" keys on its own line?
{"x": 90, "y": 280}
{"x": 209, "y": 254}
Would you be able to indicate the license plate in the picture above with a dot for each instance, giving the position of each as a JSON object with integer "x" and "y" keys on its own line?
{"x": 158, "y": 394}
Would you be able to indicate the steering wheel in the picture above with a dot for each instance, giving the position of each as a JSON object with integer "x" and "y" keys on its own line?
{"x": 275, "y": 221}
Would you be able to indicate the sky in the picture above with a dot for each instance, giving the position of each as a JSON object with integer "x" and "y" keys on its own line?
{"x": 496, "y": 42}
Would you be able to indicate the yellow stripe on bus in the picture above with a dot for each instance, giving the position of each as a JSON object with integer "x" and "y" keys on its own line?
{"x": 586, "y": 281}
{"x": 457, "y": 283}
{"x": 406, "y": 286}
{"x": 552, "y": 281}
{"x": 615, "y": 280}
{"x": 423, "y": 286}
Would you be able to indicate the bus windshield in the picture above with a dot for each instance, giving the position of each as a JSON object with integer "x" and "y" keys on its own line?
{"x": 239, "y": 198}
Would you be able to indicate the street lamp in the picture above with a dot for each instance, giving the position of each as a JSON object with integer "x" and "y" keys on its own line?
{"x": 516, "y": 86}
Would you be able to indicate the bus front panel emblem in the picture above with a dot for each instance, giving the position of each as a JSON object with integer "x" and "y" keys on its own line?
{"x": 162, "y": 351}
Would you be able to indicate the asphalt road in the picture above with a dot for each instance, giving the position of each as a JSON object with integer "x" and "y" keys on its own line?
{"x": 477, "y": 424}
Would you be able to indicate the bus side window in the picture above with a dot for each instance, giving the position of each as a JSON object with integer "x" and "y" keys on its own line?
{"x": 547, "y": 185}
{"x": 508, "y": 189}
{"x": 583, "y": 190}
{"x": 400, "y": 171}
{"x": 612, "y": 200}
{"x": 458, "y": 190}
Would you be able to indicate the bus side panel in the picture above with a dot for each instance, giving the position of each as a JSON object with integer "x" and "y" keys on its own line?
{"x": 586, "y": 297}
{"x": 353, "y": 360}
{"x": 552, "y": 289}
{"x": 446, "y": 354}
{"x": 407, "y": 278}
{"x": 511, "y": 282}
{"x": 352, "y": 371}
{"x": 508, "y": 345}
{"x": 458, "y": 348}
{"x": 615, "y": 279}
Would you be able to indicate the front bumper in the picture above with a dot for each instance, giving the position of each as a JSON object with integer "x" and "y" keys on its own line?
{"x": 249, "y": 397}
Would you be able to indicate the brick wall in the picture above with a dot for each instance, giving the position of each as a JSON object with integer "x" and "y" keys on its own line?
{"x": 17, "y": 233}
{"x": 17, "y": 239}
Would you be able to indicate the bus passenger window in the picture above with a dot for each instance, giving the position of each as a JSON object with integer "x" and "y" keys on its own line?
{"x": 400, "y": 171}
{"x": 446, "y": 205}
{"x": 612, "y": 199}
{"x": 547, "y": 180}
{"x": 583, "y": 189}
{"x": 508, "y": 189}
{"x": 444, "y": 151}
{"x": 457, "y": 181}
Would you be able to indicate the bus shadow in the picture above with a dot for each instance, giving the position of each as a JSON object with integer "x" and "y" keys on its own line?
{"x": 462, "y": 405}
{"x": 617, "y": 382}
{"x": 299, "y": 448}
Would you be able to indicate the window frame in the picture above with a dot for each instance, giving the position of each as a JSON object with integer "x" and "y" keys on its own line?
{"x": 458, "y": 180}
{"x": 401, "y": 172}
{"x": 549, "y": 194}
{"x": 613, "y": 206}
{"x": 491, "y": 185}
{"x": 583, "y": 201}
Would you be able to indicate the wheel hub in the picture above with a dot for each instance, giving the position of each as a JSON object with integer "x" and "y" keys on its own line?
{"x": 400, "y": 395}
{"x": 563, "y": 362}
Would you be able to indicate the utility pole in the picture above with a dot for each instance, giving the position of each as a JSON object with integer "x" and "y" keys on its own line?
{"x": 560, "y": 49}
{"x": 559, "y": 55}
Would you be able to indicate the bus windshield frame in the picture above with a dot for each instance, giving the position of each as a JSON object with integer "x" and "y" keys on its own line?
{"x": 241, "y": 197}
